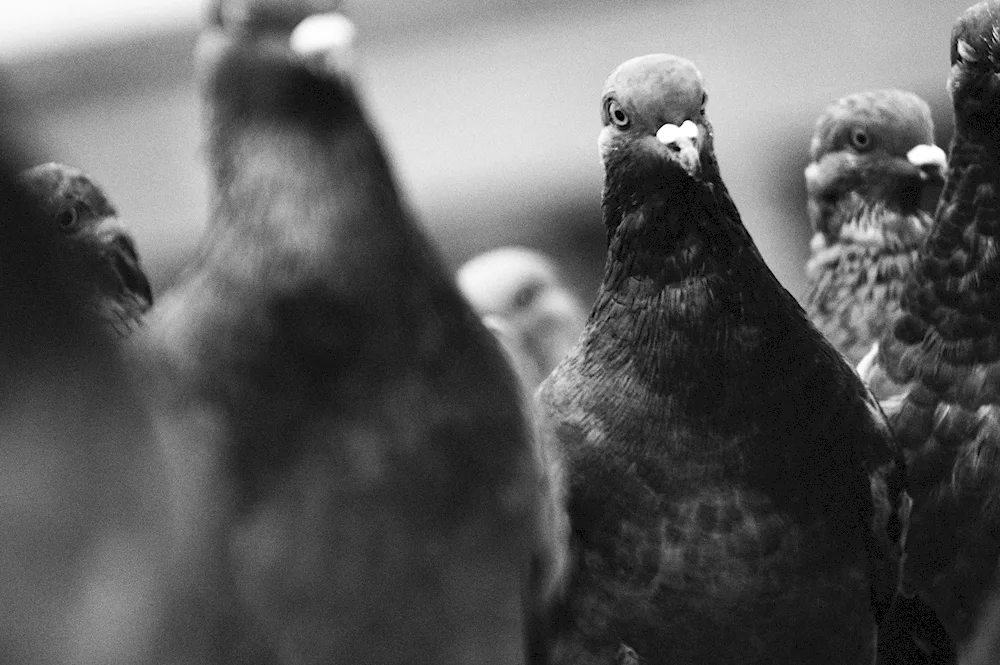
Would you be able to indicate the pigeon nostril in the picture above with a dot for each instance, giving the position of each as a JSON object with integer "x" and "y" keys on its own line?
{"x": 933, "y": 173}
{"x": 671, "y": 134}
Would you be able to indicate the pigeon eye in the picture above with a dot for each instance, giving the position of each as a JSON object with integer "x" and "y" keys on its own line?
{"x": 526, "y": 295}
{"x": 860, "y": 139}
{"x": 617, "y": 114}
{"x": 67, "y": 219}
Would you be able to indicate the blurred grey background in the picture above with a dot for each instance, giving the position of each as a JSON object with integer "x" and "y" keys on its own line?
{"x": 488, "y": 107}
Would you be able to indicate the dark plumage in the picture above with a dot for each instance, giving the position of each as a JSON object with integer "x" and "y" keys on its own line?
{"x": 83, "y": 513}
{"x": 938, "y": 368}
{"x": 873, "y": 154}
{"x": 983, "y": 646}
{"x": 734, "y": 490}
{"x": 104, "y": 255}
{"x": 366, "y": 485}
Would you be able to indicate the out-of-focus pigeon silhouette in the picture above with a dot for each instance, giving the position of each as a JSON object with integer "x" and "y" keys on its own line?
{"x": 937, "y": 370}
{"x": 364, "y": 486}
{"x": 83, "y": 507}
{"x": 734, "y": 491}
{"x": 873, "y": 154}
{"x": 523, "y": 289}
{"x": 983, "y": 648}
{"x": 73, "y": 203}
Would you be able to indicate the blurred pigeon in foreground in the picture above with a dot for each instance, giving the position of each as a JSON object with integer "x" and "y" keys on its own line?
{"x": 366, "y": 488}
{"x": 983, "y": 647}
{"x": 873, "y": 154}
{"x": 79, "y": 209}
{"x": 937, "y": 369}
{"x": 522, "y": 288}
{"x": 83, "y": 511}
{"x": 734, "y": 490}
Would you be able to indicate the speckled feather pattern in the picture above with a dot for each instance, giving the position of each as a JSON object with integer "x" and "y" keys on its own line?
{"x": 873, "y": 157}
{"x": 942, "y": 357}
{"x": 939, "y": 367}
{"x": 855, "y": 285}
{"x": 733, "y": 488}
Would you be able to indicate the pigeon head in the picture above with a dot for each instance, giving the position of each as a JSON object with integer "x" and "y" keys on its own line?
{"x": 878, "y": 145}
{"x": 974, "y": 81}
{"x": 70, "y": 198}
{"x": 93, "y": 245}
{"x": 653, "y": 111}
{"x": 508, "y": 282}
{"x": 522, "y": 289}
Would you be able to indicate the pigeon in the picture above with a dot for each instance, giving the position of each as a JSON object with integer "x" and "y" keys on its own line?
{"x": 734, "y": 491}
{"x": 521, "y": 288}
{"x": 74, "y": 204}
{"x": 84, "y": 510}
{"x": 873, "y": 155}
{"x": 936, "y": 369}
{"x": 364, "y": 485}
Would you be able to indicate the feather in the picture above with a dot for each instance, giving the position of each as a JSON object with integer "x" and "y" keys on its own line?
{"x": 938, "y": 363}
{"x": 873, "y": 154}
{"x": 366, "y": 484}
{"x": 84, "y": 510}
{"x": 735, "y": 495}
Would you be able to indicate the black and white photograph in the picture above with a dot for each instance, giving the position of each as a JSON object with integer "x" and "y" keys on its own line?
{"x": 496, "y": 332}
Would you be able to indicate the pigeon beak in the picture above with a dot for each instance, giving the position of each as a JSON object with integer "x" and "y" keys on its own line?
{"x": 931, "y": 161}
{"x": 125, "y": 259}
{"x": 108, "y": 227}
{"x": 682, "y": 142}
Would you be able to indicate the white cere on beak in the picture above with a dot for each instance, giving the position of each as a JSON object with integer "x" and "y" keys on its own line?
{"x": 669, "y": 133}
{"x": 927, "y": 155}
{"x": 109, "y": 226}
{"x": 327, "y": 36}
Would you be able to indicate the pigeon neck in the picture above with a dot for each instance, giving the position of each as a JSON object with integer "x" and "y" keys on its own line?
{"x": 686, "y": 297}
{"x": 834, "y": 198}
{"x": 677, "y": 246}
{"x": 877, "y": 225}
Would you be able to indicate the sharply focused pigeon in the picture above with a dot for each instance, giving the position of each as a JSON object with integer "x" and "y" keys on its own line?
{"x": 83, "y": 511}
{"x": 522, "y": 288}
{"x": 937, "y": 370}
{"x": 364, "y": 483}
{"x": 873, "y": 154}
{"x": 733, "y": 488}
{"x": 107, "y": 261}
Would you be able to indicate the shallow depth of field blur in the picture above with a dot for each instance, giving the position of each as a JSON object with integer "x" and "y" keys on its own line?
{"x": 490, "y": 108}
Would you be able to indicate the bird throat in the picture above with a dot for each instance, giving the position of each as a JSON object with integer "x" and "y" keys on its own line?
{"x": 671, "y": 247}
